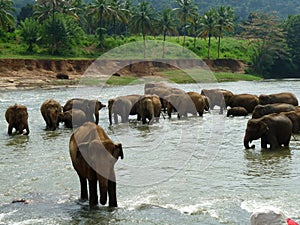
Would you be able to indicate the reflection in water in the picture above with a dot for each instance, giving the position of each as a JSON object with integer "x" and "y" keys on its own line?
{"x": 268, "y": 163}
{"x": 18, "y": 141}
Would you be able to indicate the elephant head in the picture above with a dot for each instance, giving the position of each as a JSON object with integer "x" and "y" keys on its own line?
{"x": 264, "y": 99}
{"x": 256, "y": 128}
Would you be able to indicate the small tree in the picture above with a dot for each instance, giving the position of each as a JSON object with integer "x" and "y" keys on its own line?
{"x": 30, "y": 32}
{"x": 142, "y": 21}
{"x": 208, "y": 27}
{"x": 63, "y": 34}
{"x": 166, "y": 25}
{"x": 225, "y": 17}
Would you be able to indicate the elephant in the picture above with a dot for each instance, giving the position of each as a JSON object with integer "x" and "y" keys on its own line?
{"x": 17, "y": 117}
{"x": 199, "y": 101}
{"x": 150, "y": 85}
{"x": 273, "y": 129}
{"x": 93, "y": 156}
{"x": 261, "y": 110}
{"x": 237, "y": 111}
{"x": 294, "y": 116}
{"x": 248, "y": 101}
{"x": 123, "y": 106}
{"x": 73, "y": 118}
{"x": 284, "y": 97}
{"x": 149, "y": 107}
{"x": 182, "y": 104}
{"x": 90, "y": 107}
{"x": 161, "y": 92}
{"x": 219, "y": 97}
{"x": 51, "y": 110}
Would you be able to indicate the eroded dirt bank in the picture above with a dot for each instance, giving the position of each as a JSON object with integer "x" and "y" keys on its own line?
{"x": 16, "y": 73}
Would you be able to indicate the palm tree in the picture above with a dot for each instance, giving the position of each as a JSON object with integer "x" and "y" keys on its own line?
{"x": 208, "y": 27}
{"x": 142, "y": 21}
{"x": 224, "y": 22}
{"x": 6, "y": 19}
{"x": 102, "y": 9}
{"x": 186, "y": 12}
{"x": 120, "y": 13}
{"x": 194, "y": 27}
{"x": 44, "y": 9}
{"x": 166, "y": 25}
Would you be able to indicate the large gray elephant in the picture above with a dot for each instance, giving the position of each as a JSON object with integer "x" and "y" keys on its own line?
{"x": 261, "y": 110}
{"x": 123, "y": 106}
{"x": 248, "y": 101}
{"x": 273, "y": 129}
{"x": 51, "y": 110}
{"x": 93, "y": 156}
{"x": 284, "y": 97}
{"x": 89, "y": 107}
{"x": 149, "y": 107}
{"x": 180, "y": 103}
{"x": 17, "y": 117}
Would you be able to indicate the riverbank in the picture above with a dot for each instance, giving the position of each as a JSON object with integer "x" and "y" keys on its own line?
{"x": 29, "y": 73}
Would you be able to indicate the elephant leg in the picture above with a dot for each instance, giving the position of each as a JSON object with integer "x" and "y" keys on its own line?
{"x": 116, "y": 118}
{"x": 273, "y": 142}
{"x": 112, "y": 194}
{"x": 83, "y": 188}
{"x": 10, "y": 128}
{"x": 111, "y": 189}
{"x": 264, "y": 143}
{"x": 93, "y": 192}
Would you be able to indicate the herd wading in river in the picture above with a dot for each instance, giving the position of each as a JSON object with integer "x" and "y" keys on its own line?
{"x": 275, "y": 118}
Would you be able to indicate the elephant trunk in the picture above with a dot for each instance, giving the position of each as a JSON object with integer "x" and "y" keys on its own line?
{"x": 247, "y": 141}
{"x": 109, "y": 116}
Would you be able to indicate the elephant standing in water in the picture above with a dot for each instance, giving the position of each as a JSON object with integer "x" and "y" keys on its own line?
{"x": 17, "y": 117}
{"x": 149, "y": 107}
{"x": 261, "y": 110}
{"x": 284, "y": 97}
{"x": 73, "y": 118}
{"x": 51, "y": 110}
{"x": 93, "y": 156}
{"x": 89, "y": 107}
{"x": 122, "y": 106}
{"x": 248, "y": 101}
{"x": 273, "y": 129}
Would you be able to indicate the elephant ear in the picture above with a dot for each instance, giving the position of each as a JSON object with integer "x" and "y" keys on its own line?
{"x": 264, "y": 127}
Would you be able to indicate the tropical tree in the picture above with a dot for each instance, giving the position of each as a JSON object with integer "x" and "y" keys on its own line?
{"x": 267, "y": 39}
{"x": 166, "y": 25}
{"x": 119, "y": 13}
{"x": 6, "y": 18}
{"x": 225, "y": 17}
{"x": 64, "y": 33}
{"x": 292, "y": 28}
{"x": 208, "y": 27}
{"x": 102, "y": 9}
{"x": 142, "y": 21}
{"x": 193, "y": 28}
{"x": 30, "y": 32}
{"x": 186, "y": 11}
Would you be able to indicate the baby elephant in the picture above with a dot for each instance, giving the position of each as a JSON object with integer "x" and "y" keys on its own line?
{"x": 17, "y": 117}
{"x": 237, "y": 111}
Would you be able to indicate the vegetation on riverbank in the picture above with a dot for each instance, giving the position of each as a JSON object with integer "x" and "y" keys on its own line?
{"x": 74, "y": 29}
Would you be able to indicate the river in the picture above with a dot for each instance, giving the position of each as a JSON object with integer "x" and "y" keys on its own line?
{"x": 188, "y": 171}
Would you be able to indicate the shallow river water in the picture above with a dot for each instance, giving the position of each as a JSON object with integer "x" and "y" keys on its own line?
{"x": 189, "y": 171}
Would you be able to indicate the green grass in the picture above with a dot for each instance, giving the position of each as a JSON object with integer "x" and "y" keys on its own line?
{"x": 230, "y": 48}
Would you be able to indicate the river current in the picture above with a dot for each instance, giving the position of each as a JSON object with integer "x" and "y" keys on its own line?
{"x": 188, "y": 171}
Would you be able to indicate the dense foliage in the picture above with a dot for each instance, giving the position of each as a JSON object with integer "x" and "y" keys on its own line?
{"x": 89, "y": 28}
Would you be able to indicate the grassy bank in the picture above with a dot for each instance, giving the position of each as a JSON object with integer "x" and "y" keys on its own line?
{"x": 231, "y": 47}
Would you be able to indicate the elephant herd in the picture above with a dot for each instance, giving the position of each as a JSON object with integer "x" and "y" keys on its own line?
{"x": 274, "y": 118}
